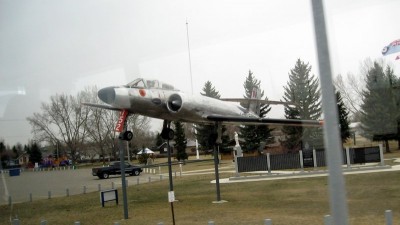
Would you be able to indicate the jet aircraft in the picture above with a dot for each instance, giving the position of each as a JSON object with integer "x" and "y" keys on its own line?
{"x": 156, "y": 99}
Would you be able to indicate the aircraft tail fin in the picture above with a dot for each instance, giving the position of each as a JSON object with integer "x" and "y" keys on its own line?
{"x": 254, "y": 105}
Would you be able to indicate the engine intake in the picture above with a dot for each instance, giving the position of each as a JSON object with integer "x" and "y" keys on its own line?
{"x": 174, "y": 103}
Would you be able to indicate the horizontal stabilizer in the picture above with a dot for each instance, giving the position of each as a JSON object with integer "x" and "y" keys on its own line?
{"x": 259, "y": 121}
{"x": 247, "y": 100}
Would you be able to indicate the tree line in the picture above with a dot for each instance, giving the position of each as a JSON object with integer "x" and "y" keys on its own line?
{"x": 64, "y": 122}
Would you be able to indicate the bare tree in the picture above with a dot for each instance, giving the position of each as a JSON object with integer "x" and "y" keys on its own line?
{"x": 352, "y": 86}
{"x": 62, "y": 121}
{"x": 140, "y": 126}
{"x": 100, "y": 126}
{"x": 351, "y": 91}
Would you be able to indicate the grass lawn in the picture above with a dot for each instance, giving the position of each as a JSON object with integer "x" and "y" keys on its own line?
{"x": 294, "y": 201}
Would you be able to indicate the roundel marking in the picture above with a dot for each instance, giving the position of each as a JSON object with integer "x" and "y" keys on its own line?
{"x": 385, "y": 49}
{"x": 142, "y": 92}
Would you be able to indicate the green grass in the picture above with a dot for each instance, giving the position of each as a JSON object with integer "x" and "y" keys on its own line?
{"x": 295, "y": 201}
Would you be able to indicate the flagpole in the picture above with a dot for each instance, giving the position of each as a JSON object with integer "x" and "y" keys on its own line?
{"x": 191, "y": 85}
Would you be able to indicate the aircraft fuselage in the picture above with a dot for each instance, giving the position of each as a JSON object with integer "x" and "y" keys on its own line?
{"x": 169, "y": 104}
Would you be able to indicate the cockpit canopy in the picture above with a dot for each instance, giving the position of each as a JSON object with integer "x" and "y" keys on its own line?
{"x": 153, "y": 84}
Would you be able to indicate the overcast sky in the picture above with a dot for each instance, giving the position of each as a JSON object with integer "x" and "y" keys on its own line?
{"x": 61, "y": 46}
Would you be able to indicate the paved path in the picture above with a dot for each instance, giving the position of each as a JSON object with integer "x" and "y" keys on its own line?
{"x": 40, "y": 183}
{"x": 279, "y": 175}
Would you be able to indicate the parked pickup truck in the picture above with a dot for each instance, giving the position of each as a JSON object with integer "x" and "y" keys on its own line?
{"x": 115, "y": 168}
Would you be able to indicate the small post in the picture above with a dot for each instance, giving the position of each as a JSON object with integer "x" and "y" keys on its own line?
{"x": 67, "y": 192}
{"x": 180, "y": 168}
{"x": 267, "y": 222}
{"x": 314, "y": 154}
{"x": 49, "y": 194}
{"x": 301, "y": 160}
{"x": 389, "y": 217}
{"x": 15, "y": 222}
{"x": 9, "y": 200}
{"x": 348, "y": 157}
{"x": 84, "y": 189}
{"x": 160, "y": 177}
{"x": 137, "y": 181}
{"x": 30, "y": 197}
{"x": 381, "y": 154}
{"x": 327, "y": 220}
{"x": 269, "y": 163}
{"x": 236, "y": 165}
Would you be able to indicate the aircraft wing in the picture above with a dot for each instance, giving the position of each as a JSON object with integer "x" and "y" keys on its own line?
{"x": 259, "y": 121}
{"x": 247, "y": 100}
{"x": 101, "y": 106}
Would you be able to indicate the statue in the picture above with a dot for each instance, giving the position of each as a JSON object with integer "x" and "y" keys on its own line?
{"x": 236, "y": 139}
{"x": 237, "y": 147}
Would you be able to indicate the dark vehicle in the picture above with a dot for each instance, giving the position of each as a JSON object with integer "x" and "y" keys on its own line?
{"x": 115, "y": 168}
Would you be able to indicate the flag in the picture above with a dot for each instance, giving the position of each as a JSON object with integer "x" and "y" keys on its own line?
{"x": 391, "y": 48}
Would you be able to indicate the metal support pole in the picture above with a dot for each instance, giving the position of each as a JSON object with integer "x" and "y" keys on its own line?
{"x": 216, "y": 160}
{"x": 171, "y": 185}
{"x": 123, "y": 180}
{"x": 334, "y": 156}
{"x": 216, "y": 173}
{"x": 269, "y": 162}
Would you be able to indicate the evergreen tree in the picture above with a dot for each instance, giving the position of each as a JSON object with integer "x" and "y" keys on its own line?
{"x": 254, "y": 135}
{"x": 380, "y": 109}
{"x": 2, "y": 154}
{"x": 158, "y": 140}
{"x": 180, "y": 141}
{"x": 343, "y": 118}
{"x": 35, "y": 154}
{"x": 206, "y": 133}
{"x": 302, "y": 91}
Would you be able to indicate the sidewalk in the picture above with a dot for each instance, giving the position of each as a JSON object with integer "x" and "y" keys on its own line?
{"x": 279, "y": 175}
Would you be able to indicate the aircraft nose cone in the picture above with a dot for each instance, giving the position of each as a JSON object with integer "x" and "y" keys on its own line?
{"x": 107, "y": 95}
